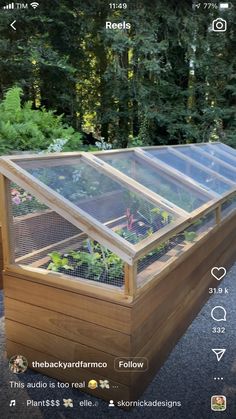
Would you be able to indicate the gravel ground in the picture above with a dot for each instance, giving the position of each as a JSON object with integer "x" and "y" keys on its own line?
{"x": 187, "y": 376}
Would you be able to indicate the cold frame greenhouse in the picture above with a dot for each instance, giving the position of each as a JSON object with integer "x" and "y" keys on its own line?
{"x": 121, "y": 239}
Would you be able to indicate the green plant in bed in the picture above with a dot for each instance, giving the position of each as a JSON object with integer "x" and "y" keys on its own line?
{"x": 155, "y": 217}
{"x": 58, "y": 261}
{"x": 154, "y": 252}
{"x": 190, "y": 236}
{"x": 92, "y": 262}
{"x": 128, "y": 235}
{"x": 115, "y": 265}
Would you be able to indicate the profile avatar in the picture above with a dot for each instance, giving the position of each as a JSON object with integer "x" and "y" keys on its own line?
{"x": 18, "y": 364}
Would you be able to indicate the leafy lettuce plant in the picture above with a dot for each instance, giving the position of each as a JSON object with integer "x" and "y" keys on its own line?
{"x": 92, "y": 261}
{"x": 58, "y": 261}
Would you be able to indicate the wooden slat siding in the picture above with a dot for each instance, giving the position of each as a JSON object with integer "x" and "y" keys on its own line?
{"x": 71, "y": 375}
{"x": 173, "y": 290}
{"x": 1, "y": 259}
{"x": 147, "y": 302}
{"x": 112, "y": 315}
{"x": 64, "y": 349}
{"x": 76, "y": 285}
{"x": 80, "y": 331}
{"x": 163, "y": 341}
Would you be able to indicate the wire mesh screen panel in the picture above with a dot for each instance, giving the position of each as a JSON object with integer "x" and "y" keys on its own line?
{"x": 155, "y": 179}
{"x": 129, "y": 214}
{"x": 152, "y": 263}
{"x": 207, "y": 180}
{"x": 206, "y": 160}
{"x": 34, "y": 225}
{"x": 228, "y": 207}
{"x": 44, "y": 239}
{"x": 89, "y": 260}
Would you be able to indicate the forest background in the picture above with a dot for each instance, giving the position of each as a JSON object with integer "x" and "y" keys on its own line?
{"x": 169, "y": 79}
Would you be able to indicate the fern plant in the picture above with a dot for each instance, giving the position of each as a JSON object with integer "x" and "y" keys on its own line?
{"x": 23, "y": 128}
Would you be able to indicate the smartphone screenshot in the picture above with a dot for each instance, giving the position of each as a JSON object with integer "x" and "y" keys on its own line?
{"x": 117, "y": 209}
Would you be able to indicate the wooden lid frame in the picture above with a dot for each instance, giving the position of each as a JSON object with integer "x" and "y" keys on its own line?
{"x": 10, "y": 167}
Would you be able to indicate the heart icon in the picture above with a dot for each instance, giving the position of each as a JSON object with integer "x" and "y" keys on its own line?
{"x": 218, "y": 272}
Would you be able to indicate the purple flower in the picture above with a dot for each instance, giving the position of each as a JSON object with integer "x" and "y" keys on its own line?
{"x": 29, "y": 197}
{"x": 16, "y": 200}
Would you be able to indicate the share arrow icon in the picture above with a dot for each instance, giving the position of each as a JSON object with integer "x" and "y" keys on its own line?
{"x": 219, "y": 353}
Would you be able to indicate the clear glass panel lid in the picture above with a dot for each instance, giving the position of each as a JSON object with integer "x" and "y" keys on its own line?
{"x": 212, "y": 149}
{"x": 226, "y": 148}
{"x": 153, "y": 177}
{"x": 206, "y": 159}
{"x": 112, "y": 203}
{"x": 190, "y": 169}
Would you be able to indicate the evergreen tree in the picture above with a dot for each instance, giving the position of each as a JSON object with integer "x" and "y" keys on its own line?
{"x": 169, "y": 79}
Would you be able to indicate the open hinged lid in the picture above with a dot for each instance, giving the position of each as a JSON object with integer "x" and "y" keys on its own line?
{"x": 105, "y": 194}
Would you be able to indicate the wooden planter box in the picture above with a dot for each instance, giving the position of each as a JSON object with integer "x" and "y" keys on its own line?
{"x": 45, "y": 321}
{"x": 1, "y": 258}
{"x": 53, "y": 317}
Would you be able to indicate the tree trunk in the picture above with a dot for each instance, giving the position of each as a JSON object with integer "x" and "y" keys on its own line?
{"x": 124, "y": 102}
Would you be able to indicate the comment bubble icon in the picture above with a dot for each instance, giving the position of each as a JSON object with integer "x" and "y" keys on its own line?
{"x": 219, "y": 314}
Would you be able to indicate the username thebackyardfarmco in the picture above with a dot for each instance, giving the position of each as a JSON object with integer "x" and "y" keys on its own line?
{"x": 64, "y": 365}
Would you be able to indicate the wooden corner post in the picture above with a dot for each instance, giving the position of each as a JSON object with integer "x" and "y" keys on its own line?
{"x": 130, "y": 279}
{"x": 218, "y": 215}
{"x": 5, "y": 217}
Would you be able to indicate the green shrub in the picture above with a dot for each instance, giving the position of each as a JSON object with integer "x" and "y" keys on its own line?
{"x": 190, "y": 236}
{"x": 23, "y": 128}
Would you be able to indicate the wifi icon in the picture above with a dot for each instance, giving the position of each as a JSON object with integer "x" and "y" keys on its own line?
{"x": 34, "y": 5}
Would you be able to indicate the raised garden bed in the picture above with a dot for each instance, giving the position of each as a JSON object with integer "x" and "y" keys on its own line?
{"x": 101, "y": 263}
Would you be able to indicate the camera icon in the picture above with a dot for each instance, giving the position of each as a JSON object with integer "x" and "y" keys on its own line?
{"x": 219, "y": 25}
